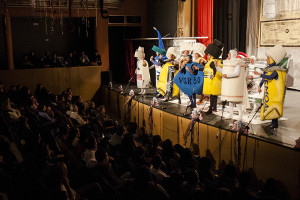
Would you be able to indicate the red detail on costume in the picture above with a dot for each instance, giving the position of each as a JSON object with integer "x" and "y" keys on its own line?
{"x": 241, "y": 55}
{"x": 139, "y": 77}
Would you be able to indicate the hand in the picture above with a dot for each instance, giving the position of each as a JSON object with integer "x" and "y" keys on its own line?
{"x": 151, "y": 58}
{"x": 257, "y": 73}
{"x": 216, "y": 62}
{"x": 259, "y": 89}
{"x": 224, "y": 76}
{"x": 195, "y": 67}
{"x": 212, "y": 76}
{"x": 250, "y": 77}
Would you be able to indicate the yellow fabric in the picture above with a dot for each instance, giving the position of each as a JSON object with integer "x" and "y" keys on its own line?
{"x": 163, "y": 81}
{"x": 272, "y": 107}
{"x": 212, "y": 86}
{"x": 271, "y": 60}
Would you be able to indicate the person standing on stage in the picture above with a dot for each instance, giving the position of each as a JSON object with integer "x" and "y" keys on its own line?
{"x": 234, "y": 83}
{"x": 157, "y": 61}
{"x": 198, "y": 54}
{"x": 212, "y": 77}
{"x": 191, "y": 67}
{"x": 142, "y": 70}
{"x": 273, "y": 78}
{"x": 253, "y": 83}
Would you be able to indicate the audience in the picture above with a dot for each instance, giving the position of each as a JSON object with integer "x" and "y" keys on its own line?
{"x": 47, "y": 61}
{"x": 59, "y": 147}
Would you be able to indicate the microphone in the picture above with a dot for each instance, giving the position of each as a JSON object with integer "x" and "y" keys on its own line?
{"x": 130, "y": 80}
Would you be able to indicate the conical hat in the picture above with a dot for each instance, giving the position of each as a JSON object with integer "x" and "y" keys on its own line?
{"x": 172, "y": 50}
{"x": 199, "y": 48}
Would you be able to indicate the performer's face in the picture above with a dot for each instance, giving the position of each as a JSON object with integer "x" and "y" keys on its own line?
{"x": 208, "y": 56}
{"x": 186, "y": 52}
{"x": 197, "y": 55}
{"x": 251, "y": 61}
{"x": 157, "y": 53}
{"x": 187, "y": 58}
{"x": 229, "y": 56}
{"x": 268, "y": 60}
{"x": 172, "y": 56}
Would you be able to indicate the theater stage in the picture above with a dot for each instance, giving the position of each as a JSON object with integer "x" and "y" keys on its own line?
{"x": 285, "y": 135}
{"x": 267, "y": 153}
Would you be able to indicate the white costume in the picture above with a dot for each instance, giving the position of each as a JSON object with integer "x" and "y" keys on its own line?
{"x": 234, "y": 86}
{"x": 142, "y": 70}
{"x": 254, "y": 96}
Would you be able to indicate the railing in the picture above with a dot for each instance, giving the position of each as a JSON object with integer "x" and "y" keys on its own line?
{"x": 88, "y": 4}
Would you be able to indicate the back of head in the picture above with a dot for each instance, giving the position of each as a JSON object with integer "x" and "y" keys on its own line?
{"x": 156, "y": 161}
{"x": 101, "y": 155}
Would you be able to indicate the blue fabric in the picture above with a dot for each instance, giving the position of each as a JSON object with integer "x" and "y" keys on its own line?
{"x": 274, "y": 75}
{"x": 189, "y": 83}
{"x": 162, "y": 58}
{"x": 156, "y": 63}
{"x": 160, "y": 42}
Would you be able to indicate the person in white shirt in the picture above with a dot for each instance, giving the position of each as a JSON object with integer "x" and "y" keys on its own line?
{"x": 74, "y": 115}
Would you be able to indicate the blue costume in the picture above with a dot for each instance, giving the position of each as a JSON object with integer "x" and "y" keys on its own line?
{"x": 157, "y": 61}
{"x": 190, "y": 83}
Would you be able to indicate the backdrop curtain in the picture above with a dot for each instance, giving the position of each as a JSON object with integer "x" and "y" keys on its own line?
{"x": 130, "y": 65}
{"x": 229, "y": 24}
{"x": 204, "y": 20}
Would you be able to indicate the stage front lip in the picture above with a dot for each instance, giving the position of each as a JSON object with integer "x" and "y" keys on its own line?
{"x": 261, "y": 131}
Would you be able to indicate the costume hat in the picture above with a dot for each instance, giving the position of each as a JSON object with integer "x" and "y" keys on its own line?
{"x": 214, "y": 49}
{"x": 277, "y": 53}
{"x": 172, "y": 50}
{"x": 199, "y": 48}
{"x": 159, "y": 50}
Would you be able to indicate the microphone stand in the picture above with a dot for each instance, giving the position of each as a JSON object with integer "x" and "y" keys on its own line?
{"x": 247, "y": 127}
{"x": 128, "y": 84}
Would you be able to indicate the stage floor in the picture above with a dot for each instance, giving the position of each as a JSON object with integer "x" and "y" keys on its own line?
{"x": 285, "y": 135}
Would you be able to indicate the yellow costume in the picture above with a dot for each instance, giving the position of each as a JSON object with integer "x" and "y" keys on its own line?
{"x": 165, "y": 84}
{"x": 212, "y": 86}
{"x": 274, "y": 94}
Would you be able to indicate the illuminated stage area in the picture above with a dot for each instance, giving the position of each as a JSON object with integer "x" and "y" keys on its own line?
{"x": 268, "y": 153}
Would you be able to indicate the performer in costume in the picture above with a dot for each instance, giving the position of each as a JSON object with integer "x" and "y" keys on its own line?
{"x": 165, "y": 85}
{"x": 185, "y": 50}
{"x": 142, "y": 70}
{"x": 234, "y": 83}
{"x": 253, "y": 83}
{"x": 198, "y": 54}
{"x": 190, "y": 85}
{"x": 212, "y": 77}
{"x": 273, "y": 78}
{"x": 157, "y": 61}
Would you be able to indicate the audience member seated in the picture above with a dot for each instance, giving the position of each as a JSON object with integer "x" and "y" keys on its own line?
{"x": 47, "y": 153}
{"x": 96, "y": 58}
{"x": 33, "y": 59}
{"x": 26, "y": 63}
{"x": 84, "y": 60}
{"x": 72, "y": 111}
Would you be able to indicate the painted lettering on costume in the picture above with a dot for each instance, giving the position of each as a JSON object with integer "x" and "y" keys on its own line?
{"x": 266, "y": 96}
{"x": 187, "y": 80}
